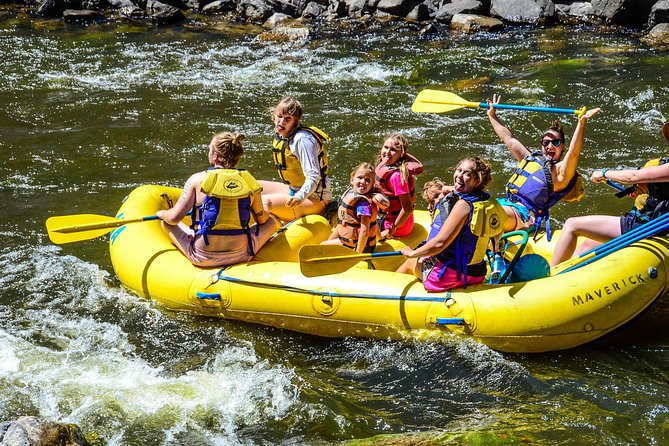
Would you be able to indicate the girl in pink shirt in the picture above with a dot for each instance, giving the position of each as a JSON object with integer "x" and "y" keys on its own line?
{"x": 395, "y": 172}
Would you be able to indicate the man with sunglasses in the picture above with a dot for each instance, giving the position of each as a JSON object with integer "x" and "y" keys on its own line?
{"x": 542, "y": 177}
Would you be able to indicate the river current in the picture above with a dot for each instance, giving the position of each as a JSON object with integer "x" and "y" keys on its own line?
{"x": 89, "y": 113}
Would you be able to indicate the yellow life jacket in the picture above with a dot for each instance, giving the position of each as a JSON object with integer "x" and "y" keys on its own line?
{"x": 288, "y": 166}
{"x": 226, "y": 209}
{"x": 647, "y": 196}
{"x": 348, "y": 223}
{"x": 488, "y": 219}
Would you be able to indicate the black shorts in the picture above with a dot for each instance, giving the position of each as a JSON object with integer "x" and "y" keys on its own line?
{"x": 630, "y": 221}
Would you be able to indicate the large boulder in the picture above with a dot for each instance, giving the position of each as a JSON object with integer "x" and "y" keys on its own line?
{"x": 400, "y": 8}
{"x": 577, "y": 12}
{"x": 33, "y": 431}
{"x": 255, "y": 10}
{"x": 164, "y": 14}
{"x": 659, "y": 13}
{"x": 447, "y": 10}
{"x": 523, "y": 11}
{"x": 632, "y": 13}
{"x": 313, "y": 10}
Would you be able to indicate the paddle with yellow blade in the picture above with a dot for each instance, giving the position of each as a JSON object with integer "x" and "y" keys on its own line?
{"x": 75, "y": 228}
{"x": 437, "y": 101}
{"x": 320, "y": 260}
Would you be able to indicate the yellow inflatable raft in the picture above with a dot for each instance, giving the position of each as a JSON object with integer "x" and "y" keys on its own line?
{"x": 551, "y": 313}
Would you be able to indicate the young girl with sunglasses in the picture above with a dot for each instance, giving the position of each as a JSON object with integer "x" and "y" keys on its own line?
{"x": 542, "y": 178}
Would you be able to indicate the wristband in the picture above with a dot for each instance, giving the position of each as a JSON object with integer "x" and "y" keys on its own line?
{"x": 604, "y": 173}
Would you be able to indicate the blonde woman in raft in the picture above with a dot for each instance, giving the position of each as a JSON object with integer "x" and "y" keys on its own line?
{"x": 223, "y": 231}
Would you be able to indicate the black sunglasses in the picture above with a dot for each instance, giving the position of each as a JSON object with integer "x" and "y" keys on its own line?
{"x": 555, "y": 142}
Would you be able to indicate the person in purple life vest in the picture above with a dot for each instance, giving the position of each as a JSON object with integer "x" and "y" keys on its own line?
{"x": 651, "y": 200}
{"x": 543, "y": 177}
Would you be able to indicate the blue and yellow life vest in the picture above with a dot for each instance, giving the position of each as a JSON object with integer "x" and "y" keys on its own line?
{"x": 348, "y": 223}
{"x": 288, "y": 166}
{"x": 383, "y": 174}
{"x": 532, "y": 185}
{"x": 226, "y": 209}
{"x": 486, "y": 220}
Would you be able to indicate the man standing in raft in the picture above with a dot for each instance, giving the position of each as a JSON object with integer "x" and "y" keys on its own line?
{"x": 542, "y": 177}
{"x": 302, "y": 164}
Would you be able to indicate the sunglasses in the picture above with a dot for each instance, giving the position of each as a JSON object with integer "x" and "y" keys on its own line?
{"x": 555, "y": 142}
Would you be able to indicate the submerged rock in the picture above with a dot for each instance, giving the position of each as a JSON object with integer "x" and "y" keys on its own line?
{"x": 34, "y": 431}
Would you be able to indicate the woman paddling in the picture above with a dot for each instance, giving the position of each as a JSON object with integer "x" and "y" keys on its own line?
{"x": 225, "y": 203}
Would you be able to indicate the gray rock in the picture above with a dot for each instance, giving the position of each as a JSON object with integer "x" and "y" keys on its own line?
{"x": 420, "y": 13}
{"x": 81, "y": 15}
{"x": 275, "y": 19}
{"x": 55, "y": 8}
{"x": 164, "y": 14}
{"x": 218, "y": 7}
{"x": 659, "y": 13}
{"x": 632, "y": 13}
{"x": 658, "y": 36}
{"x": 469, "y": 23}
{"x": 523, "y": 11}
{"x": 448, "y": 10}
{"x": 400, "y": 8}
{"x": 313, "y": 10}
{"x": 255, "y": 10}
{"x": 33, "y": 431}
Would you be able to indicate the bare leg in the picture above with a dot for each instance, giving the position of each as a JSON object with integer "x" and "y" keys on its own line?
{"x": 408, "y": 267}
{"x": 512, "y": 221}
{"x": 600, "y": 228}
{"x": 587, "y": 245}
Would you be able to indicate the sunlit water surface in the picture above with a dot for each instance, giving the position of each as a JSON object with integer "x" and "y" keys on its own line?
{"x": 90, "y": 113}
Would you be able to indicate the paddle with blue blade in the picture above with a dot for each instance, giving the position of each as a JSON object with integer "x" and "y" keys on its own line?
{"x": 437, "y": 101}
{"x": 75, "y": 228}
{"x": 320, "y": 260}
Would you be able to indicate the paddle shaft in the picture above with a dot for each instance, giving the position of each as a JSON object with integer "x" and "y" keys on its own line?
{"x": 110, "y": 224}
{"x": 569, "y": 111}
{"x": 649, "y": 229}
{"x": 353, "y": 258}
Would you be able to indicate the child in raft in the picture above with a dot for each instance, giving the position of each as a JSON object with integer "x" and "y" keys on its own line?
{"x": 433, "y": 191}
{"x": 395, "y": 176}
{"x": 302, "y": 165}
{"x": 447, "y": 260}
{"x": 357, "y": 214}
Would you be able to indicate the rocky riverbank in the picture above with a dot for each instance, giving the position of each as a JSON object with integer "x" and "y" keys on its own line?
{"x": 650, "y": 18}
